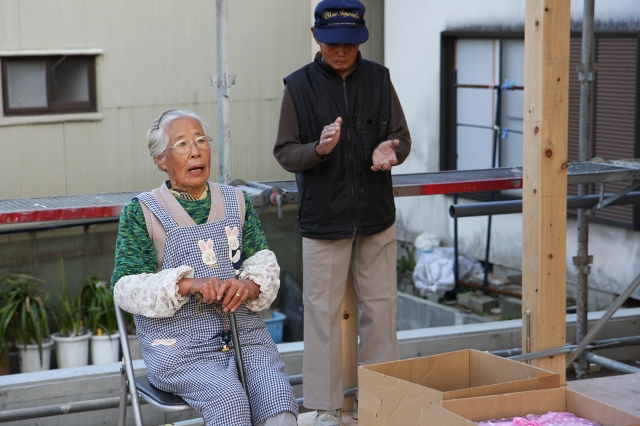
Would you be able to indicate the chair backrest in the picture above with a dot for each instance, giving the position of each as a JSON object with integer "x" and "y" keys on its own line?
{"x": 140, "y": 386}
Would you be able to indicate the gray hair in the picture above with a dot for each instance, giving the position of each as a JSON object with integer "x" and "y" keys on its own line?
{"x": 157, "y": 136}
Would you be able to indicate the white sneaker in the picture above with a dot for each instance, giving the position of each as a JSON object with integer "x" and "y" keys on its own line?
{"x": 328, "y": 418}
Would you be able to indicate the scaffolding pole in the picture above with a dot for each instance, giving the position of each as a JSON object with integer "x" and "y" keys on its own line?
{"x": 582, "y": 260}
{"x": 224, "y": 81}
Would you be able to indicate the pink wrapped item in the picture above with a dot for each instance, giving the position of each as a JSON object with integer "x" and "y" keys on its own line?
{"x": 549, "y": 419}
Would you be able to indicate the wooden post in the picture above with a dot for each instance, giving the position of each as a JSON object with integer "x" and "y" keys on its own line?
{"x": 349, "y": 342}
{"x": 546, "y": 90}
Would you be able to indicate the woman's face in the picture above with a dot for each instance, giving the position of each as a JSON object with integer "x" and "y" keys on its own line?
{"x": 187, "y": 172}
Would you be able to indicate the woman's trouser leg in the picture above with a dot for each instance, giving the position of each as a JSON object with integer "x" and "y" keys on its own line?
{"x": 282, "y": 419}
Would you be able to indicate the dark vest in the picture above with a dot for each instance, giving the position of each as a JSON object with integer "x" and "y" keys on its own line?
{"x": 342, "y": 197}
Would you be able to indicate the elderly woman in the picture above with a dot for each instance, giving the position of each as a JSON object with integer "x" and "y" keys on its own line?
{"x": 187, "y": 239}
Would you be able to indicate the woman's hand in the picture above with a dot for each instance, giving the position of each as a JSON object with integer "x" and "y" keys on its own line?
{"x": 207, "y": 287}
{"x": 230, "y": 294}
{"x": 235, "y": 292}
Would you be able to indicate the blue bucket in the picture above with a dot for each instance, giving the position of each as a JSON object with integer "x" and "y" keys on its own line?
{"x": 275, "y": 326}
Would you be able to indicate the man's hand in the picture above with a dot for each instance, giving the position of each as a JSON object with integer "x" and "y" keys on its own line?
{"x": 329, "y": 138}
{"x": 384, "y": 156}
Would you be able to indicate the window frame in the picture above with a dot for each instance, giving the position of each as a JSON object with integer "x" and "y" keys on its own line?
{"x": 448, "y": 115}
{"x": 62, "y": 111}
{"x": 52, "y": 107}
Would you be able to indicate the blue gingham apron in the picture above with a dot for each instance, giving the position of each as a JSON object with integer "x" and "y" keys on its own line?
{"x": 195, "y": 367}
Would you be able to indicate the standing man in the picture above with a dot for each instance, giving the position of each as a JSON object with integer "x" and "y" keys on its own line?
{"x": 341, "y": 131}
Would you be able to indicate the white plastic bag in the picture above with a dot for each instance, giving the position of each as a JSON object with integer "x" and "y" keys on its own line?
{"x": 426, "y": 242}
{"x": 434, "y": 270}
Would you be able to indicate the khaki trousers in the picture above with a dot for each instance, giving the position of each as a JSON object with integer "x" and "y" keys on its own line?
{"x": 326, "y": 265}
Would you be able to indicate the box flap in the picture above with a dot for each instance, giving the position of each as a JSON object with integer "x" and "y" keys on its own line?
{"x": 381, "y": 397}
{"x": 548, "y": 380}
{"x": 443, "y": 372}
{"x": 508, "y": 405}
{"x": 495, "y": 389}
{"x": 486, "y": 369}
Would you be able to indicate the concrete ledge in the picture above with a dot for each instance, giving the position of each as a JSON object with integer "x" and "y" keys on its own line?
{"x": 103, "y": 381}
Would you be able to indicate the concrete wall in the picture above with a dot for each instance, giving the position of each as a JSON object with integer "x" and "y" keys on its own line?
{"x": 57, "y": 387}
{"x": 417, "y": 313}
{"x": 412, "y": 52}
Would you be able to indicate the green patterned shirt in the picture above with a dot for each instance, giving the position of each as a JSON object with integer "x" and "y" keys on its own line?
{"x": 136, "y": 254}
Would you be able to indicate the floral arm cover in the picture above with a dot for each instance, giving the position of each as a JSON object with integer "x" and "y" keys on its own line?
{"x": 262, "y": 268}
{"x": 152, "y": 295}
{"x": 156, "y": 295}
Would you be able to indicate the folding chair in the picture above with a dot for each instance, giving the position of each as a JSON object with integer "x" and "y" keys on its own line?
{"x": 139, "y": 387}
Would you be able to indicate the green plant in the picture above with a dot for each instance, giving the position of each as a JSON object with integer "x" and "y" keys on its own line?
{"x": 407, "y": 263}
{"x": 67, "y": 314}
{"x": 97, "y": 299}
{"x": 23, "y": 316}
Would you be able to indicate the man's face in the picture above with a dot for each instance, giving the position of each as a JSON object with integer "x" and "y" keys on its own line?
{"x": 340, "y": 57}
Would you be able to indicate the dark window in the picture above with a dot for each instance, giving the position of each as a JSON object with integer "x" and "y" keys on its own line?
{"x": 48, "y": 85}
{"x": 615, "y": 114}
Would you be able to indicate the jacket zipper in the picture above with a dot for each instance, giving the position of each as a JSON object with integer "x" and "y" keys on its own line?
{"x": 354, "y": 204}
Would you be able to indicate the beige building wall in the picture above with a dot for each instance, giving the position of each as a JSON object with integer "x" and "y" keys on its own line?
{"x": 154, "y": 55}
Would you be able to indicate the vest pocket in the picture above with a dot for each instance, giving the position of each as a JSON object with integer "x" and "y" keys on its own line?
{"x": 371, "y": 133}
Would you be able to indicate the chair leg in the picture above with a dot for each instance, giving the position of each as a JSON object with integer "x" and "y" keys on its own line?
{"x": 124, "y": 392}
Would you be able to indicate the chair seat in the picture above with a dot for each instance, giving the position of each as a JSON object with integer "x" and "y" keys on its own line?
{"x": 148, "y": 391}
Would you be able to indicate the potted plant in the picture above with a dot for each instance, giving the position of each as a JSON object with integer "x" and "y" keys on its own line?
{"x": 72, "y": 338}
{"x": 100, "y": 316}
{"x": 24, "y": 320}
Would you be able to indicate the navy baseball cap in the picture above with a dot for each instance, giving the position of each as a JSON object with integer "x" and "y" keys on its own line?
{"x": 340, "y": 21}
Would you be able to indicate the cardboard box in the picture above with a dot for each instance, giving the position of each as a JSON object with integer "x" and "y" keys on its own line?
{"x": 465, "y": 412}
{"x": 396, "y": 393}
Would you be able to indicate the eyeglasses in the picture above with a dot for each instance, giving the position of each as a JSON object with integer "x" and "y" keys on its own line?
{"x": 184, "y": 147}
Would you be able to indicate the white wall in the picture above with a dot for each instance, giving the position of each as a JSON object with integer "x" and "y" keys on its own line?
{"x": 412, "y": 53}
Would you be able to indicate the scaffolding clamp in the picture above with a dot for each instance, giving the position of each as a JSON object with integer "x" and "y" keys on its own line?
{"x": 582, "y": 264}
{"x": 586, "y": 69}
